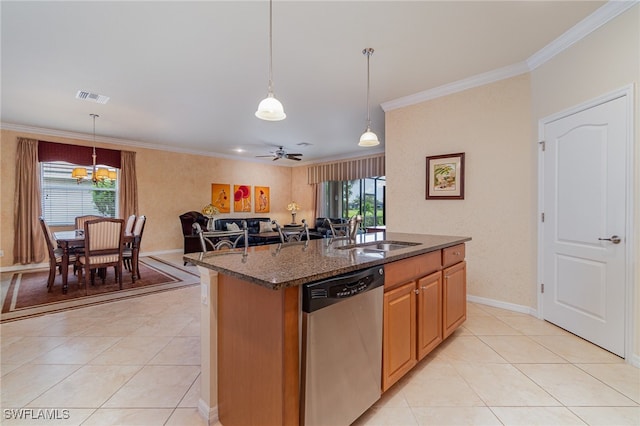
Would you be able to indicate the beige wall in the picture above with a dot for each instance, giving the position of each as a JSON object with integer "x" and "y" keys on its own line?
{"x": 603, "y": 62}
{"x": 497, "y": 127}
{"x": 491, "y": 125}
{"x": 169, "y": 184}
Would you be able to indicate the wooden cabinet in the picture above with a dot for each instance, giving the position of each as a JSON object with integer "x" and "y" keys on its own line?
{"x": 454, "y": 299}
{"x": 429, "y": 312}
{"x": 399, "y": 341}
{"x": 412, "y": 314}
{"x": 423, "y": 304}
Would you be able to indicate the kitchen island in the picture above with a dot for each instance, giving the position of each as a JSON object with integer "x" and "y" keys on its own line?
{"x": 251, "y": 316}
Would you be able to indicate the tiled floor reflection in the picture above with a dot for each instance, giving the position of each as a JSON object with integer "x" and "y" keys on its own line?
{"x": 137, "y": 362}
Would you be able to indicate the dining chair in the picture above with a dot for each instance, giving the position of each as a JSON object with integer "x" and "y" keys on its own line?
{"x": 128, "y": 229}
{"x": 55, "y": 254}
{"x": 80, "y": 220}
{"x": 131, "y": 252}
{"x": 103, "y": 239}
{"x": 216, "y": 240}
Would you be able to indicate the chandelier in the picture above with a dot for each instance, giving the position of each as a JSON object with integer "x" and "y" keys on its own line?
{"x": 97, "y": 174}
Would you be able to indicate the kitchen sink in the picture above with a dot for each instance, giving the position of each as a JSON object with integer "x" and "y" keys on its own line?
{"x": 379, "y": 245}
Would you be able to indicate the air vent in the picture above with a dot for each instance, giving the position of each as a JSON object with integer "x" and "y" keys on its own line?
{"x": 92, "y": 97}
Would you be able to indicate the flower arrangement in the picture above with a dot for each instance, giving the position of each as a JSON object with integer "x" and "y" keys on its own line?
{"x": 293, "y": 207}
{"x": 210, "y": 211}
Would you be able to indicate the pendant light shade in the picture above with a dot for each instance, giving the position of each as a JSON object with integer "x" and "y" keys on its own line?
{"x": 368, "y": 138}
{"x": 270, "y": 108}
{"x": 79, "y": 173}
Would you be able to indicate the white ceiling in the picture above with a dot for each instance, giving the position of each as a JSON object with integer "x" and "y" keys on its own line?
{"x": 188, "y": 76}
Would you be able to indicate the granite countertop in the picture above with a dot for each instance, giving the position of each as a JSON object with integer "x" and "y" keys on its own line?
{"x": 277, "y": 266}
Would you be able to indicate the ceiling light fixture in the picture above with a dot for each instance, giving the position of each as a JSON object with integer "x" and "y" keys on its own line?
{"x": 270, "y": 108}
{"x": 368, "y": 138}
{"x": 97, "y": 174}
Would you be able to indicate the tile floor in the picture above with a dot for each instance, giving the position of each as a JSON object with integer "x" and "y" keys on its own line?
{"x": 136, "y": 362}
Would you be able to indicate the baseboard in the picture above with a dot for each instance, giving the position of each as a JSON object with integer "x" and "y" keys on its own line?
{"x": 503, "y": 305}
{"x": 29, "y": 267}
{"x": 209, "y": 414}
{"x": 634, "y": 360}
{"x": 45, "y": 265}
{"x": 160, "y": 252}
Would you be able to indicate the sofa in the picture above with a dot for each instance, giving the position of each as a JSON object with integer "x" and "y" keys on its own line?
{"x": 192, "y": 241}
{"x": 253, "y": 226}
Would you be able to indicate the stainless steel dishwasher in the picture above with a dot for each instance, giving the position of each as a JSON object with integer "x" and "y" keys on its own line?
{"x": 341, "y": 347}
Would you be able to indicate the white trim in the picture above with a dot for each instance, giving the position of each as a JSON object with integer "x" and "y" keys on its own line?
{"x": 601, "y": 16}
{"x": 634, "y": 360}
{"x": 29, "y": 266}
{"x": 457, "y": 86}
{"x": 502, "y": 305}
{"x": 630, "y": 235}
{"x": 209, "y": 414}
{"x": 579, "y": 31}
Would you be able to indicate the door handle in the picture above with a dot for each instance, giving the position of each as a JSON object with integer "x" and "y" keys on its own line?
{"x": 614, "y": 239}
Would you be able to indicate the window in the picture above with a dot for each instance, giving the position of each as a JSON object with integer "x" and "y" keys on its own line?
{"x": 365, "y": 197}
{"x": 63, "y": 199}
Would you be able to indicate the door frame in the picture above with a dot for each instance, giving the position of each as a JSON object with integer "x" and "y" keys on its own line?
{"x": 630, "y": 238}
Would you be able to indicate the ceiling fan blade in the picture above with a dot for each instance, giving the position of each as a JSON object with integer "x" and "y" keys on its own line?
{"x": 296, "y": 155}
{"x": 275, "y": 158}
{"x": 264, "y": 156}
{"x": 290, "y": 157}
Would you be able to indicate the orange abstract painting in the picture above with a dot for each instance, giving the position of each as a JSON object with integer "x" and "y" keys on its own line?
{"x": 221, "y": 196}
{"x": 263, "y": 202}
{"x": 242, "y": 198}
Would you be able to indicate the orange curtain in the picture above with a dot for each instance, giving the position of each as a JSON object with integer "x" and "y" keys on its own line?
{"x": 28, "y": 244}
{"x": 128, "y": 184}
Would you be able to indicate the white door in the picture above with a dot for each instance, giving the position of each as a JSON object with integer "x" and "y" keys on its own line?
{"x": 584, "y": 238}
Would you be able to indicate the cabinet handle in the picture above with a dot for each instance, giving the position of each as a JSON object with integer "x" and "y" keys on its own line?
{"x": 416, "y": 291}
{"x": 424, "y": 288}
{"x": 456, "y": 253}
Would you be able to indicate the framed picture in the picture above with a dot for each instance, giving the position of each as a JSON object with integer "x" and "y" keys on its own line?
{"x": 445, "y": 177}
{"x": 221, "y": 196}
{"x": 242, "y": 198}
{"x": 263, "y": 203}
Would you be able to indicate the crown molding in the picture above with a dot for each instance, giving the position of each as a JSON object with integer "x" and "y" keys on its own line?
{"x": 601, "y": 16}
{"x": 457, "y": 86}
{"x": 41, "y": 131}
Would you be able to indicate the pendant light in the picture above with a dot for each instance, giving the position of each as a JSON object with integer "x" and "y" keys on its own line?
{"x": 97, "y": 174}
{"x": 101, "y": 173}
{"x": 270, "y": 109}
{"x": 368, "y": 138}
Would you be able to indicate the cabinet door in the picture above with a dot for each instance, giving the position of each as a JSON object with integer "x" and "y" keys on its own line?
{"x": 454, "y": 302}
{"x": 399, "y": 334}
{"x": 429, "y": 313}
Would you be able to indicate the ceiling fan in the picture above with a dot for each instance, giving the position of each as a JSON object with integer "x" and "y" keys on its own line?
{"x": 281, "y": 153}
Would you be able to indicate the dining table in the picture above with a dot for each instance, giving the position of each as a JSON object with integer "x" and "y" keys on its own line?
{"x": 73, "y": 240}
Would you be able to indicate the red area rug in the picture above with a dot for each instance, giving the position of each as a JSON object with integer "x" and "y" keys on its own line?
{"x": 27, "y": 294}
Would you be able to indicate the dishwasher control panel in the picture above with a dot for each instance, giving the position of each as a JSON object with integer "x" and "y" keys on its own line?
{"x": 324, "y": 293}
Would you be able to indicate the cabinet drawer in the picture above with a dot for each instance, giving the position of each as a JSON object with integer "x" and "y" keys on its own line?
{"x": 405, "y": 270}
{"x": 452, "y": 255}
